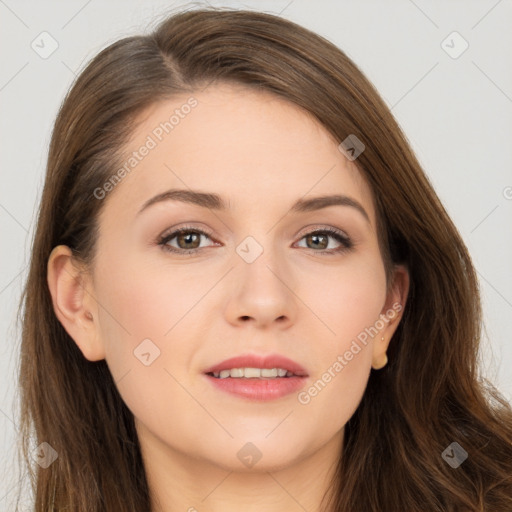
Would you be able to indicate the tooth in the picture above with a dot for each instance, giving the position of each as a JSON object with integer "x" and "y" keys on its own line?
{"x": 252, "y": 372}
{"x": 266, "y": 373}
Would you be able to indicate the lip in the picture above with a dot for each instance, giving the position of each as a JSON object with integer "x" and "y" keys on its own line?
{"x": 268, "y": 361}
{"x": 259, "y": 389}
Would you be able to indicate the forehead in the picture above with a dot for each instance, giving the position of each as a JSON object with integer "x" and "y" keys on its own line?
{"x": 244, "y": 144}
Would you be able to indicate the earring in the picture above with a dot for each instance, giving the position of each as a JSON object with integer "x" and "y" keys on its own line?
{"x": 384, "y": 363}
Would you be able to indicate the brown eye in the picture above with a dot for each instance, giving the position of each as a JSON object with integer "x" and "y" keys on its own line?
{"x": 187, "y": 240}
{"x": 320, "y": 240}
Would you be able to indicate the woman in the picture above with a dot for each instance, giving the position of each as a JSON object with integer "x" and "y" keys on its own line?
{"x": 245, "y": 294}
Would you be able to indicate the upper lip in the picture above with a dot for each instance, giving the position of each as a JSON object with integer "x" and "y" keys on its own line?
{"x": 268, "y": 361}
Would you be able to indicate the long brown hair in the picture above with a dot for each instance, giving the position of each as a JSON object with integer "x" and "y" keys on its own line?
{"x": 429, "y": 395}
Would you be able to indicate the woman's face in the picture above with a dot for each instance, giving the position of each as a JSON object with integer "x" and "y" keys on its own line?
{"x": 260, "y": 283}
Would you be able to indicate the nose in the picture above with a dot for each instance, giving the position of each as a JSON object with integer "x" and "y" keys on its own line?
{"x": 262, "y": 293}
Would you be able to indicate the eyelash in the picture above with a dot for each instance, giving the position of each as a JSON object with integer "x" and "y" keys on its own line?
{"x": 347, "y": 244}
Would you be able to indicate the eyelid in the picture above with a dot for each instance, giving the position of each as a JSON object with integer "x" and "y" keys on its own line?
{"x": 311, "y": 228}
{"x": 306, "y": 230}
{"x": 177, "y": 230}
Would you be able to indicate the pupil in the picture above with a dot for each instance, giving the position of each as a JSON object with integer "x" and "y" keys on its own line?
{"x": 188, "y": 236}
{"x": 316, "y": 237}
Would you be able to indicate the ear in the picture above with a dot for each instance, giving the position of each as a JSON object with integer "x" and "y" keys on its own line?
{"x": 391, "y": 315}
{"x": 73, "y": 302}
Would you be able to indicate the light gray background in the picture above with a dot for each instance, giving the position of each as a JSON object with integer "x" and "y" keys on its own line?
{"x": 456, "y": 112}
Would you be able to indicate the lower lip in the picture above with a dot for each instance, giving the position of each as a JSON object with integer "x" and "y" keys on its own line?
{"x": 259, "y": 389}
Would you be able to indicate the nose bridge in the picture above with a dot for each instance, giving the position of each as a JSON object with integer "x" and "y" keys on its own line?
{"x": 262, "y": 291}
{"x": 260, "y": 260}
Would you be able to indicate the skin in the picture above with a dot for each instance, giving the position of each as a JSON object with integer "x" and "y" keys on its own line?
{"x": 261, "y": 154}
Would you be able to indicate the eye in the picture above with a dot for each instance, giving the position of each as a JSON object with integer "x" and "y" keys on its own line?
{"x": 188, "y": 240}
{"x": 320, "y": 239}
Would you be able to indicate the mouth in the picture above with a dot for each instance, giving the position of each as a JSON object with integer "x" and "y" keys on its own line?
{"x": 256, "y": 377}
{"x": 254, "y": 373}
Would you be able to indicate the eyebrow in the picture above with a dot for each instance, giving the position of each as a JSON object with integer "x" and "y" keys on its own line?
{"x": 215, "y": 202}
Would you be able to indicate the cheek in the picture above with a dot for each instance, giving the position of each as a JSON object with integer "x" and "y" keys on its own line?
{"x": 144, "y": 312}
{"x": 349, "y": 305}
{"x": 149, "y": 302}
{"x": 148, "y": 317}
{"x": 348, "y": 299}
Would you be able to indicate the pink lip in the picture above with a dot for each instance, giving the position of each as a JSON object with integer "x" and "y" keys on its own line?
{"x": 259, "y": 389}
{"x": 259, "y": 361}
